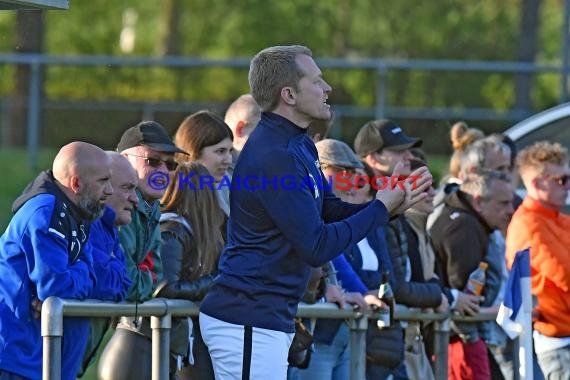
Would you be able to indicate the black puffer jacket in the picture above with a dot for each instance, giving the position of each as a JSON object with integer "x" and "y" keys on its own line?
{"x": 407, "y": 292}
{"x": 178, "y": 261}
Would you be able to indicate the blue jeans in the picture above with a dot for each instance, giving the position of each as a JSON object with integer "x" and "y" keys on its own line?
{"x": 327, "y": 362}
{"x": 378, "y": 372}
{"x": 555, "y": 364}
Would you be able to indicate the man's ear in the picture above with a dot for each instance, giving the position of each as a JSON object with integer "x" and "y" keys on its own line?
{"x": 239, "y": 128}
{"x": 75, "y": 184}
{"x": 380, "y": 159}
{"x": 288, "y": 95}
{"x": 317, "y": 137}
{"x": 476, "y": 202}
{"x": 536, "y": 184}
{"x": 371, "y": 160}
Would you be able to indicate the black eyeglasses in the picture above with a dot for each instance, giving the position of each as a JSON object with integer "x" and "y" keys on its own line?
{"x": 562, "y": 180}
{"x": 156, "y": 162}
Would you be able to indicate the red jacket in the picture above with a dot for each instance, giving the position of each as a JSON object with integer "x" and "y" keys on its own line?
{"x": 547, "y": 233}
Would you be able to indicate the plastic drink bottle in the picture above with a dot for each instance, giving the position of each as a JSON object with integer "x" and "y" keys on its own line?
{"x": 476, "y": 281}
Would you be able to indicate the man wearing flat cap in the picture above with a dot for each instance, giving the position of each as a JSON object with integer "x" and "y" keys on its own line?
{"x": 150, "y": 151}
{"x": 338, "y": 162}
{"x": 382, "y": 143}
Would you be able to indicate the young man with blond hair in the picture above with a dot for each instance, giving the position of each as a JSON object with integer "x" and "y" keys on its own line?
{"x": 539, "y": 224}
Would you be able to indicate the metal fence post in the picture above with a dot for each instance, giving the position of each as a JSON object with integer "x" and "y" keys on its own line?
{"x": 440, "y": 343}
{"x": 148, "y": 112}
{"x": 34, "y": 110}
{"x": 381, "y": 91}
{"x": 516, "y": 360}
{"x": 358, "y": 326}
{"x": 52, "y": 331}
{"x": 161, "y": 346}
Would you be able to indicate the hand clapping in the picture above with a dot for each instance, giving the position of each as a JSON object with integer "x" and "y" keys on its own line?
{"x": 403, "y": 193}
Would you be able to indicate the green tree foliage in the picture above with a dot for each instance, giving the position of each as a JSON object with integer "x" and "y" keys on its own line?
{"x": 7, "y": 20}
{"x": 353, "y": 29}
{"x": 407, "y": 29}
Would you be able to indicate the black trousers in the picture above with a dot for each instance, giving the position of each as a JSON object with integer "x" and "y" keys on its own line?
{"x": 128, "y": 355}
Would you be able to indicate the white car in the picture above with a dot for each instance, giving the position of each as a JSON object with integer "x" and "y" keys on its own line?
{"x": 552, "y": 125}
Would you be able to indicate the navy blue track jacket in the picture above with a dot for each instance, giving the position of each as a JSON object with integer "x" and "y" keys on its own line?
{"x": 283, "y": 220}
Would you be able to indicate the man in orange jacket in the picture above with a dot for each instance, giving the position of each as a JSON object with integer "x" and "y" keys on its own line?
{"x": 539, "y": 224}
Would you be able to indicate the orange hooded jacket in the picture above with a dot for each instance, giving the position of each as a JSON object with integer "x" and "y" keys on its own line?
{"x": 547, "y": 233}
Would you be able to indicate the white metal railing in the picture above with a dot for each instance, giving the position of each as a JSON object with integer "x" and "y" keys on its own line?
{"x": 161, "y": 311}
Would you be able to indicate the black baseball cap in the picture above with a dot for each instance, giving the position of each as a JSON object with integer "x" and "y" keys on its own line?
{"x": 383, "y": 134}
{"x": 148, "y": 133}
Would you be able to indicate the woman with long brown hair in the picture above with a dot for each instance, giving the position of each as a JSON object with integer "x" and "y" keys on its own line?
{"x": 192, "y": 241}
{"x": 208, "y": 140}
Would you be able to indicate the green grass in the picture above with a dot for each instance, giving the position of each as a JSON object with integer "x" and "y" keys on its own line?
{"x": 16, "y": 174}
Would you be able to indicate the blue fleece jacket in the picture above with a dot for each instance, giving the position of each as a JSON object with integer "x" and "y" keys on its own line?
{"x": 44, "y": 252}
{"x": 108, "y": 260}
{"x": 282, "y": 223}
{"x": 347, "y": 277}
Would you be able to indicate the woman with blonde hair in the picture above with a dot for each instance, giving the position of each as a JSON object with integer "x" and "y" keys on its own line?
{"x": 461, "y": 136}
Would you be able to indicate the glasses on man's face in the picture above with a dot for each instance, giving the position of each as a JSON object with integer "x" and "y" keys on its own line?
{"x": 561, "y": 180}
{"x": 156, "y": 162}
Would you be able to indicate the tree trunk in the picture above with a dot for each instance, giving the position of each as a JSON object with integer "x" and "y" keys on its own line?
{"x": 169, "y": 41}
{"x": 170, "y": 29}
{"x": 29, "y": 39}
{"x": 526, "y": 52}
